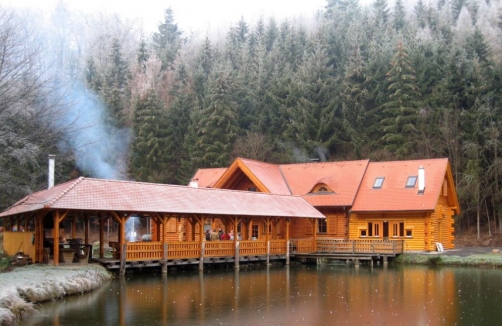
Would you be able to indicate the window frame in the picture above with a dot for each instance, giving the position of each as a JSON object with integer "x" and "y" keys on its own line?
{"x": 411, "y": 177}
{"x": 323, "y": 226}
{"x": 378, "y": 183}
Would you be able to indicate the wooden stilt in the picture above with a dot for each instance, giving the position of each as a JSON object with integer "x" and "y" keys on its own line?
{"x": 123, "y": 255}
{"x": 201, "y": 259}
{"x": 237, "y": 255}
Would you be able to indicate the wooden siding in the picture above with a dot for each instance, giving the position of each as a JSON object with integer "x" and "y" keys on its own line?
{"x": 412, "y": 221}
{"x": 442, "y": 224}
{"x": 244, "y": 183}
{"x": 16, "y": 241}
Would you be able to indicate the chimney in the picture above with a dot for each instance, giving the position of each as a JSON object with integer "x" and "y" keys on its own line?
{"x": 421, "y": 180}
{"x": 194, "y": 183}
{"x": 51, "y": 171}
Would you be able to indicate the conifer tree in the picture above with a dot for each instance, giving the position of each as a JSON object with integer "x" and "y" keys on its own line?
{"x": 218, "y": 127}
{"x": 92, "y": 77}
{"x": 167, "y": 41}
{"x": 381, "y": 12}
{"x": 354, "y": 97}
{"x": 114, "y": 87}
{"x": 312, "y": 110}
{"x": 399, "y": 15}
{"x": 148, "y": 159}
{"x": 142, "y": 56}
{"x": 178, "y": 124}
{"x": 399, "y": 123}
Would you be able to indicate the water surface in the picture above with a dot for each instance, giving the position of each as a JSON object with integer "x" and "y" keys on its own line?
{"x": 294, "y": 295}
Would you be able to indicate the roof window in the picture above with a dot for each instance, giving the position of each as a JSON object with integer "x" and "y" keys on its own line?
{"x": 378, "y": 182}
{"x": 412, "y": 180}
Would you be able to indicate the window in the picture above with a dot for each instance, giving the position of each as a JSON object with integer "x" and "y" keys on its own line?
{"x": 252, "y": 189}
{"x": 409, "y": 233}
{"x": 412, "y": 180}
{"x": 322, "y": 189}
{"x": 378, "y": 183}
{"x": 375, "y": 229}
{"x": 363, "y": 233}
{"x": 254, "y": 231}
{"x": 322, "y": 226}
{"x": 397, "y": 229}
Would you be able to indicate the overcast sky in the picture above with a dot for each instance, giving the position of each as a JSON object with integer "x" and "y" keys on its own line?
{"x": 191, "y": 15}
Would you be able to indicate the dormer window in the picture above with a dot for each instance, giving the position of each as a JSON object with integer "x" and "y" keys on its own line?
{"x": 378, "y": 182}
{"x": 252, "y": 189}
{"x": 322, "y": 188}
{"x": 412, "y": 180}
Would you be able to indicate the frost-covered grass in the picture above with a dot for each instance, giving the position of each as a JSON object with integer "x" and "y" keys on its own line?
{"x": 25, "y": 286}
{"x": 491, "y": 260}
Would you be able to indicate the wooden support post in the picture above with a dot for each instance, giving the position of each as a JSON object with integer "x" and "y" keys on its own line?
{"x": 39, "y": 236}
{"x": 237, "y": 253}
{"x": 371, "y": 262}
{"x": 356, "y": 263}
{"x": 86, "y": 229}
{"x": 55, "y": 236}
{"x": 123, "y": 255}
{"x": 201, "y": 258}
{"x": 101, "y": 237}
{"x": 287, "y": 251}
{"x": 268, "y": 252}
{"x": 385, "y": 261}
{"x": 164, "y": 259}
{"x": 73, "y": 226}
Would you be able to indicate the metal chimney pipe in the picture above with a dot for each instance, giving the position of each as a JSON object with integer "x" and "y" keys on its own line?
{"x": 51, "y": 171}
{"x": 421, "y": 180}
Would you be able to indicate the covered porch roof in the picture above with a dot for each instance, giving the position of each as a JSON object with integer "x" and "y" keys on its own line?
{"x": 88, "y": 194}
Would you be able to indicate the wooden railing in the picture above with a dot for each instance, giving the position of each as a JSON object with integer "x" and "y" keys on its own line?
{"x": 183, "y": 250}
{"x": 192, "y": 249}
{"x": 278, "y": 247}
{"x": 385, "y": 247}
{"x": 219, "y": 249}
{"x": 144, "y": 251}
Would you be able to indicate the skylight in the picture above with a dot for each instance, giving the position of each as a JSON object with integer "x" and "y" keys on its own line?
{"x": 378, "y": 182}
{"x": 412, "y": 180}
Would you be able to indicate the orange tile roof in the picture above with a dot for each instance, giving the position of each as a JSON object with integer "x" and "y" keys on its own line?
{"x": 341, "y": 177}
{"x": 207, "y": 177}
{"x": 126, "y": 196}
{"x": 269, "y": 174}
{"x": 394, "y": 196}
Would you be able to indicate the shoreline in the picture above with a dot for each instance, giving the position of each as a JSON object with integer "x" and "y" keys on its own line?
{"x": 24, "y": 287}
{"x": 468, "y": 256}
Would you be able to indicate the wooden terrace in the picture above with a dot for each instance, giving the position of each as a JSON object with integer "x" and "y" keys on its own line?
{"x": 153, "y": 254}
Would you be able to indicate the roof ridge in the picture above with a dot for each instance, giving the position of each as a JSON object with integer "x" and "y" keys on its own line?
{"x": 285, "y": 179}
{"x": 64, "y": 192}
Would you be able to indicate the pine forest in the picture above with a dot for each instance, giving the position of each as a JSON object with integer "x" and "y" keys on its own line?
{"x": 392, "y": 80}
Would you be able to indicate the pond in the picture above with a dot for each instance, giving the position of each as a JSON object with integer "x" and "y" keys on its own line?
{"x": 288, "y": 295}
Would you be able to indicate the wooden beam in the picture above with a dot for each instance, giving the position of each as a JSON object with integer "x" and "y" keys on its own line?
{"x": 86, "y": 228}
{"x": 74, "y": 227}
{"x": 55, "y": 236}
{"x": 101, "y": 235}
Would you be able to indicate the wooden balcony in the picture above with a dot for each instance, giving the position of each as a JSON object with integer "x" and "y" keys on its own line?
{"x": 142, "y": 251}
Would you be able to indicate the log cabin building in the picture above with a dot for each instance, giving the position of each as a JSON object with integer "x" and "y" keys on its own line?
{"x": 414, "y": 201}
{"x": 267, "y": 206}
{"x": 41, "y": 215}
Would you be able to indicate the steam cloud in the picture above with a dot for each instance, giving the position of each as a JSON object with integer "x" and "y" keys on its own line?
{"x": 100, "y": 149}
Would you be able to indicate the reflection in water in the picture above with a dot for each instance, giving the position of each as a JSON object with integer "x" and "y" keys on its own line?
{"x": 306, "y": 295}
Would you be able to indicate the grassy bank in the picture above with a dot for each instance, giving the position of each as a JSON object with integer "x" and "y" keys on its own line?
{"x": 479, "y": 260}
{"x": 21, "y": 288}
